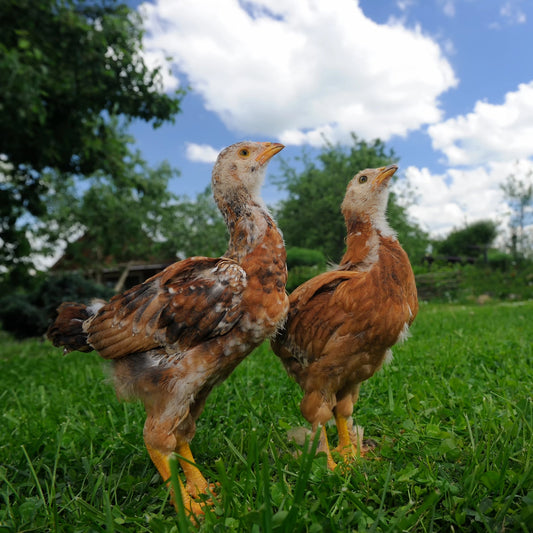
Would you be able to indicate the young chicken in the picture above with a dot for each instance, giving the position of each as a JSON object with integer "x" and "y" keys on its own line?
{"x": 342, "y": 323}
{"x": 183, "y": 331}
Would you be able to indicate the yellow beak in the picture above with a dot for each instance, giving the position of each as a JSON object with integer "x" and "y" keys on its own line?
{"x": 269, "y": 150}
{"x": 385, "y": 174}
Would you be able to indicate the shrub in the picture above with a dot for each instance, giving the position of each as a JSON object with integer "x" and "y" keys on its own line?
{"x": 67, "y": 287}
{"x": 300, "y": 274}
{"x": 297, "y": 257}
{"x": 499, "y": 260}
{"x": 20, "y": 317}
{"x": 28, "y": 314}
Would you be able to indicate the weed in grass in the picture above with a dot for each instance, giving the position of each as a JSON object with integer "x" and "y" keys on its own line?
{"x": 453, "y": 415}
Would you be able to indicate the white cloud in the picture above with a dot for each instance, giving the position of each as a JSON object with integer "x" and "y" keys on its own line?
{"x": 490, "y": 133}
{"x": 404, "y": 5}
{"x": 459, "y": 196}
{"x": 482, "y": 149}
{"x": 202, "y": 153}
{"x": 157, "y": 59}
{"x": 512, "y": 13}
{"x": 294, "y": 70}
{"x": 448, "y": 7}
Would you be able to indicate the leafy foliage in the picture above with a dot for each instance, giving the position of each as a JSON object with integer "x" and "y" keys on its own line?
{"x": 303, "y": 264}
{"x": 66, "y": 65}
{"x": 472, "y": 240}
{"x": 519, "y": 193}
{"x": 68, "y": 69}
{"x": 304, "y": 257}
{"x": 118, "y": 218}
{"x": 196, "y": 227}
{"x": 310, "y": 217}
{"x": 28, "y": 314}
{"x": 499, "y": 279}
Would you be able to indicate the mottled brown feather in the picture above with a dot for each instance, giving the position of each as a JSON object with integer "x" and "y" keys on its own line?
{"x": 183, "y": 331}
{"x": 183, "y": 305}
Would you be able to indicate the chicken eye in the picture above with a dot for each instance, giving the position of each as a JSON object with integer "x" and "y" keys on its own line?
{"x": 244, "y": 152}
{"x": 363, "y": 179}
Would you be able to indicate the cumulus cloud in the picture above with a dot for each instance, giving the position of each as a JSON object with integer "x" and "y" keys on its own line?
{"x": 482, "y": 148}
{"x": 299, "y": 70}
{"x": 492, "y": 132}
{"x": 201, "y": 153}
{"x": 461, "y": 196}
{"x": 157, "y": 59}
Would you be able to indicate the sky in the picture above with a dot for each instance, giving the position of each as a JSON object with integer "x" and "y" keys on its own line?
{"x": 446, "y": 84}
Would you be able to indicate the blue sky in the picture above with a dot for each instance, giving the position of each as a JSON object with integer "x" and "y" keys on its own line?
{"x": 447, "y": 84}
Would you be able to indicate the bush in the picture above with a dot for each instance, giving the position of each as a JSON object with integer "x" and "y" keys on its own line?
{"x": 297, "y": 257}
{"x": 499, "y": 260}
{"x": 442, "y": 285}
{"x": 301, "y": 274}
{"x": 28, "y": 314}
{"x": 67, "y": 287}
{"x": 20, "y": 317}
{"x": 499, "y": 279}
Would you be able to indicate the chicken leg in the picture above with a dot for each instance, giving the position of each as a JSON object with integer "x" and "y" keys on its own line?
{"x": 196, "y": 483}
{"x": 317, "y": 410}
{"x": 162, "y": 441}
{"x": 351, "y": 442}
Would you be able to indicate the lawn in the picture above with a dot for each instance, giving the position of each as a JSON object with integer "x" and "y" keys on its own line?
{"x": 452, "y": 415}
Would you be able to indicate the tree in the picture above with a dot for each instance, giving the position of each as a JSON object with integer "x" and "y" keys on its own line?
{"x": 310, "y": 217}
{"x": 117, "y": 219}
{"x": 473, "y": 240}
{"x": 196, "y": 227}
{"x": 68, "y": 69}
{"x": 519, "y": 194}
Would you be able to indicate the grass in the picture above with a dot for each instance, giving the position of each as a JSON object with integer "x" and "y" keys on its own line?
{"x": 453, "y": 416}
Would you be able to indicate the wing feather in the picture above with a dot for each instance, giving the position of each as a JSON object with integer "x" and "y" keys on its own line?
{"x": 188, "y": 302}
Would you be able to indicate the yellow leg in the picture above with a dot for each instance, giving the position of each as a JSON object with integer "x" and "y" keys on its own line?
{"x": 323, "y": 446}
{"x": 196, "y": 483}
{"x": 160, "y": 461}
{"x": 346, "y": 446}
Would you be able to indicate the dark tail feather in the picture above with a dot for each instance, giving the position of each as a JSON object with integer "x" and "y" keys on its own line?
{"x": 67, "y": 328}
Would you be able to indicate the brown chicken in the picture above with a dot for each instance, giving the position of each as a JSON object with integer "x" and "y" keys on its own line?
{"x": 183, "y": 331}
{"x": 342, "y": 323}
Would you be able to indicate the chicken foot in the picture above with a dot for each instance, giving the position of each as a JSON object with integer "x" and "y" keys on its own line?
{"x": 351, "y": 443}
{"x": 196, "y": 483}
{"x": 323, "y": 446}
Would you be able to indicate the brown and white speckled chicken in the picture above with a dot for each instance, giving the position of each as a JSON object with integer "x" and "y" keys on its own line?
{"x": 183, "y": 331}
{"x": 342, "y": 323}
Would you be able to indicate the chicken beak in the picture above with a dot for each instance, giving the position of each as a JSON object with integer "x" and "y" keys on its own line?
{"x": 385, "y": 174}
{"x": 269, "y": 150}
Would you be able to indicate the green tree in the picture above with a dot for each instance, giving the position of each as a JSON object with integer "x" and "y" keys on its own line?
{"x": 117, "y": 219}
{"x": 67, "y": 69}
{"x": 310, "y": 216}
{"x": 196, "y": 227}
{"x": 473, "y": 240}
{"x": 519, "y": 194}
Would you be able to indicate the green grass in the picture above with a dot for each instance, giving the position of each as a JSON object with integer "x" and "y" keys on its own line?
{"x": 452, "y": 414}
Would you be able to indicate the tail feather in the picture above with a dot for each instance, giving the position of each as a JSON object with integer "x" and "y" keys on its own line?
{"x": 67, "y": 328}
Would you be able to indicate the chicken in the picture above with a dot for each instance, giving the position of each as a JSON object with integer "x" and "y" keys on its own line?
{"x": 174, "y": 337}
{"x": 342, "y": 323}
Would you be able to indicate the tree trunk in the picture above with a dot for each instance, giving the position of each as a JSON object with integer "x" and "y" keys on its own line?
{"x": 122, "y": 279}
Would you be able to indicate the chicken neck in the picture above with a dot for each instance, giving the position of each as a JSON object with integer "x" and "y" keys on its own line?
{"x": 362, "y": 244}
{"x": 255, "y": 241}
